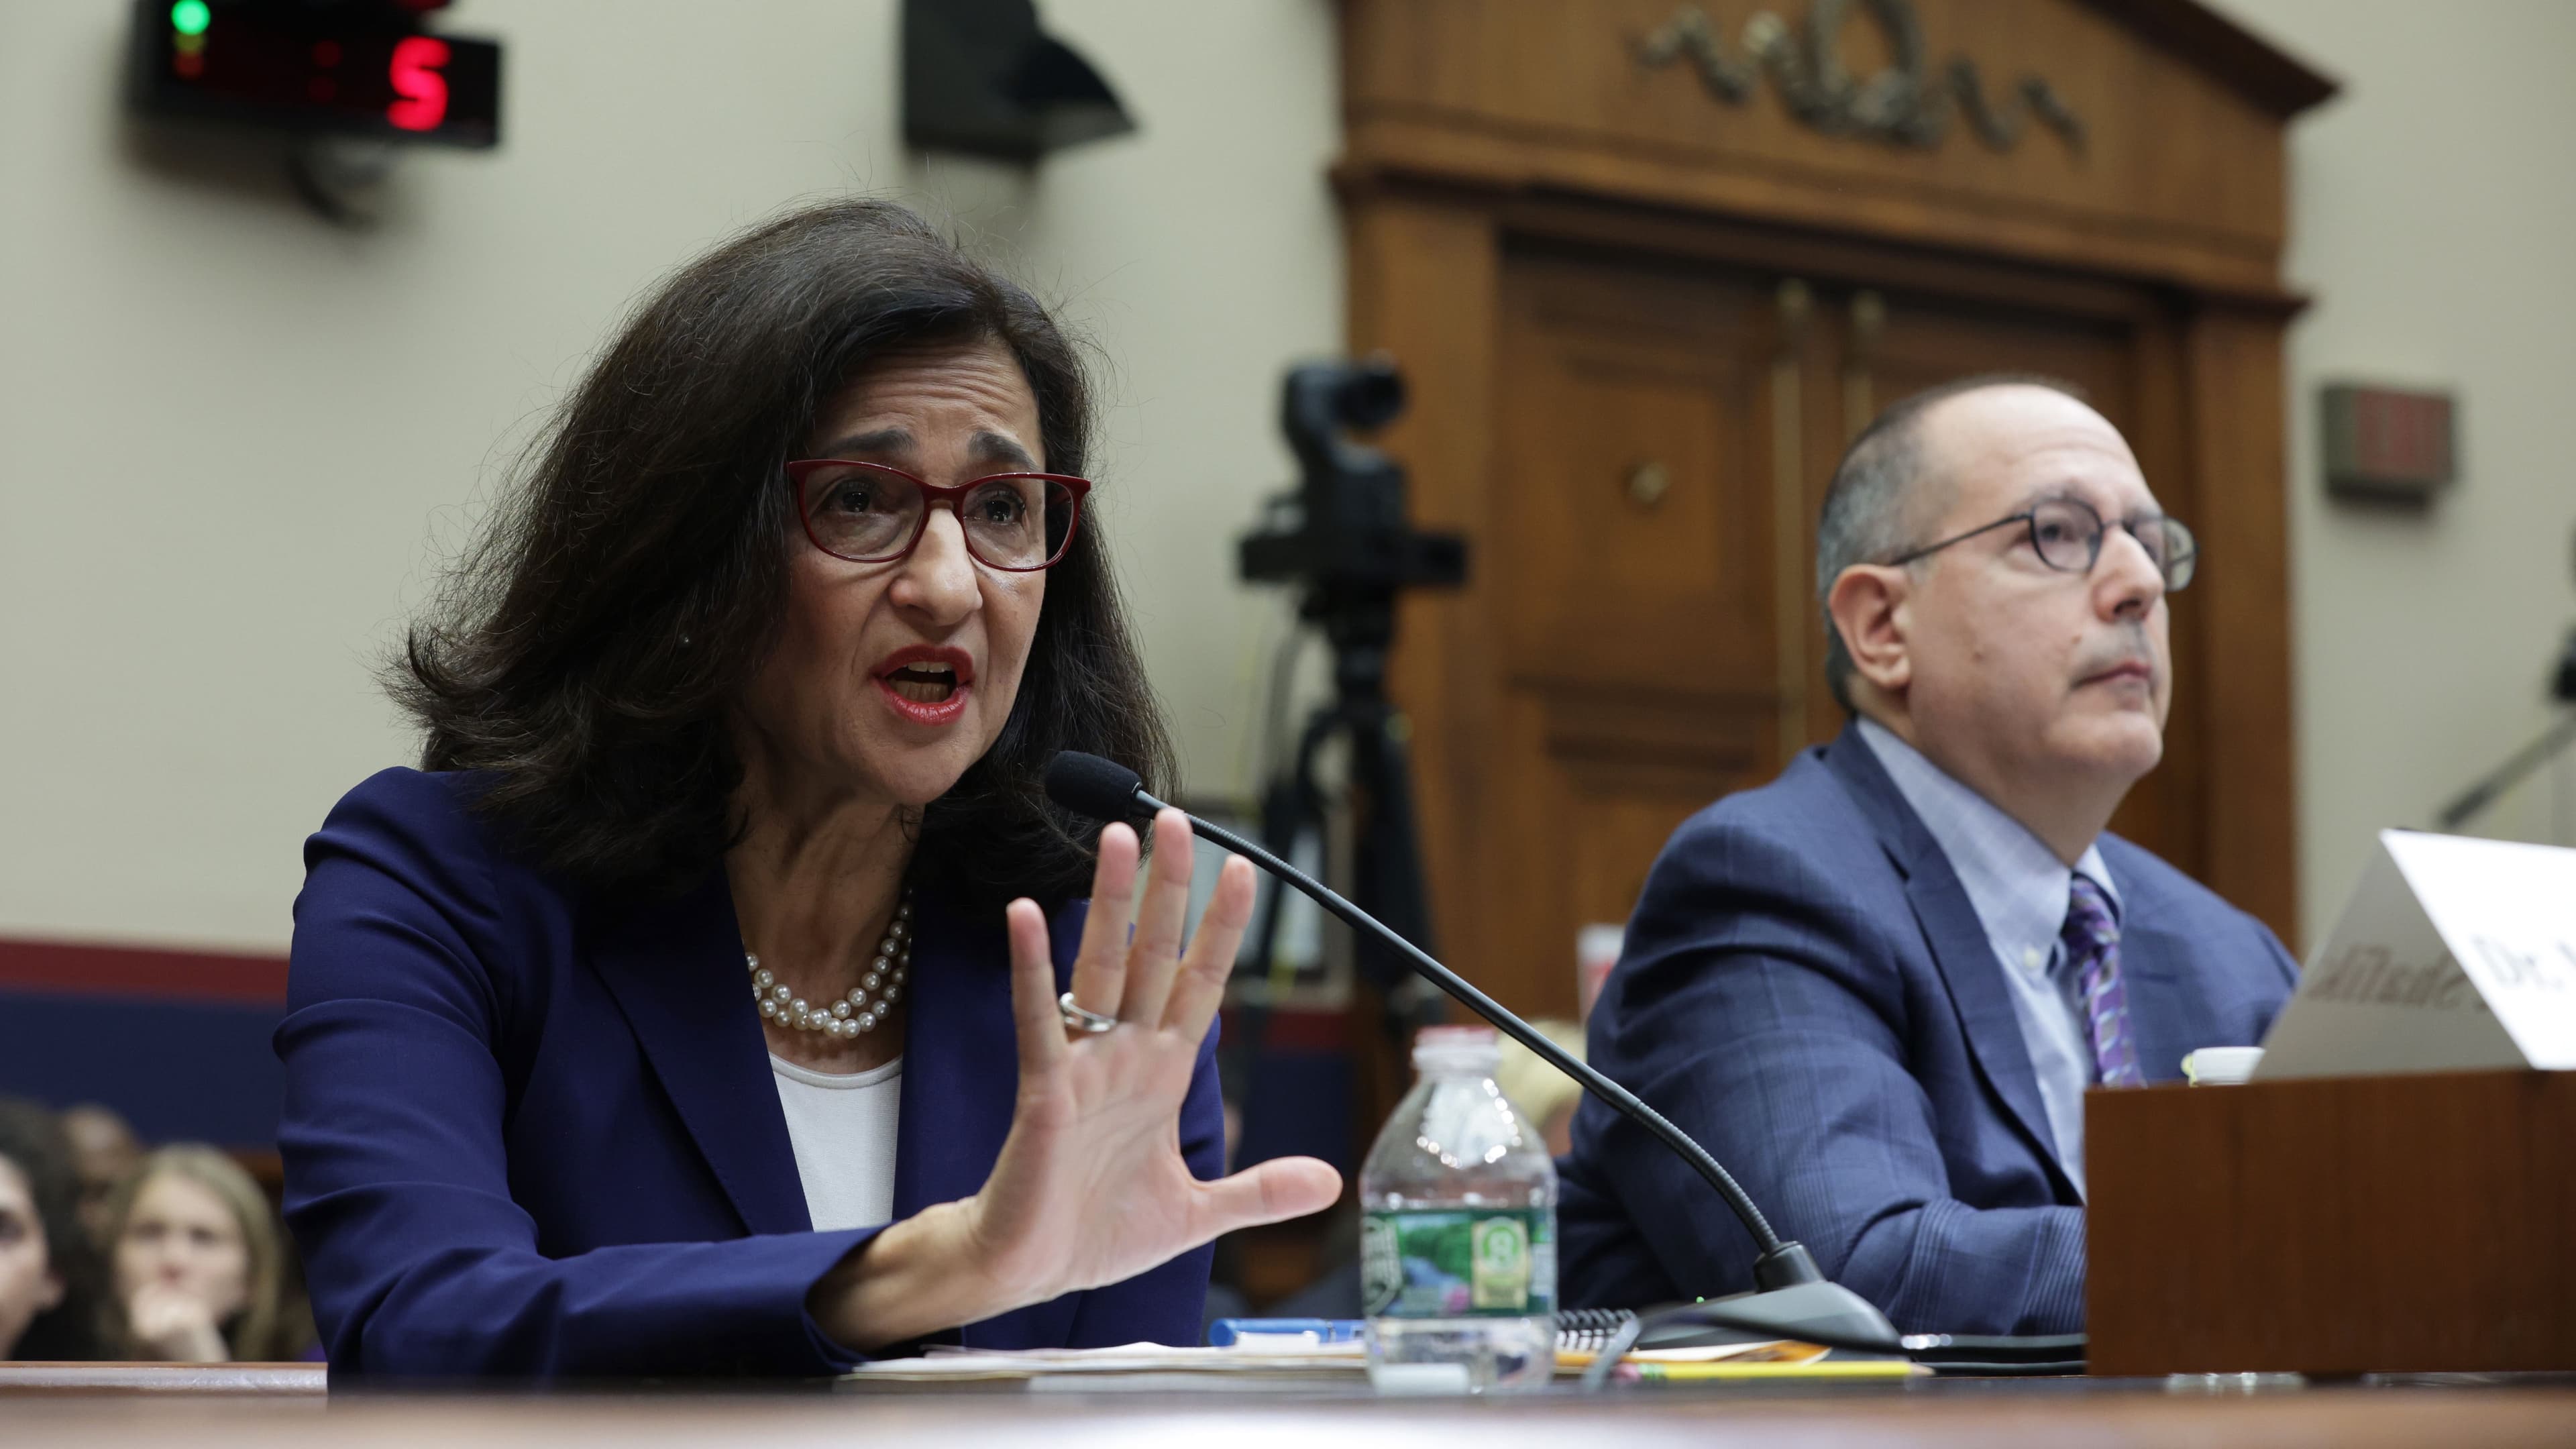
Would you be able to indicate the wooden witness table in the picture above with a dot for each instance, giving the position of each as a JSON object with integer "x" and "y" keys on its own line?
{"x": 2339, "y": 1225}
{"x": 281, "y": 1406}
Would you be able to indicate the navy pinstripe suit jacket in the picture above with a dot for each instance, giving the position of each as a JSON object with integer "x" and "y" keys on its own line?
{"x": 1807, "y": 991}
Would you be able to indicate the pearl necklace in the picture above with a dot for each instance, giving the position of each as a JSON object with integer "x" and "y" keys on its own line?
{"x": 863, "y": 1008}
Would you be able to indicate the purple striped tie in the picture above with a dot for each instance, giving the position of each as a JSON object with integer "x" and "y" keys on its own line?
{"x": 2092, "y": 937}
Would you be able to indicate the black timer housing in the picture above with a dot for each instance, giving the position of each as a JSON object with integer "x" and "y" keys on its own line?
{"x": 356, "y": 68}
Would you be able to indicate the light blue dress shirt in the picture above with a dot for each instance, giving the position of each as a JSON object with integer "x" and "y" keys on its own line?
{"x": 2019, "y": 889}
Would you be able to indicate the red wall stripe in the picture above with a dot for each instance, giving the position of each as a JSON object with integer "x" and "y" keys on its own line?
{"x": 92, "y": 970}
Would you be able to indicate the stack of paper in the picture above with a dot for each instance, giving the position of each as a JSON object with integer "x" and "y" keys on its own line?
{"x": 1255, "y": 1365}
{"x": 1148, "y": 1366}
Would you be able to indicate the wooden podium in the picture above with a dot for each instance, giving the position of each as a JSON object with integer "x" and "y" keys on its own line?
{"x": 2358, "y": 1225}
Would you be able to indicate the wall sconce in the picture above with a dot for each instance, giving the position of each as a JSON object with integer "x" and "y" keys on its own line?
{"x": 979, "y": 76}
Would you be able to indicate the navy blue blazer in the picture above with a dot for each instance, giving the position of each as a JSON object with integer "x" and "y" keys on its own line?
{"x": 532, "y": 1130}
{"x": 1806, "y": 990}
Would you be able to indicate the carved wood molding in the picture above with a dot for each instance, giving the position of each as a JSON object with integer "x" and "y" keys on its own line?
{"x": 1904, "y": 104}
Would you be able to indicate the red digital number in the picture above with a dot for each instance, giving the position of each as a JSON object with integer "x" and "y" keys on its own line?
{"x": 415, "y": 77}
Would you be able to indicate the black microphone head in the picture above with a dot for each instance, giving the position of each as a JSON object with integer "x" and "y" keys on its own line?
{"x": 1092, "y": 787}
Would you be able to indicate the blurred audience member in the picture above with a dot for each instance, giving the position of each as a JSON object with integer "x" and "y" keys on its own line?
{"x": 1544, "y": 1095}
{"x": 104, "y": 1150}
{"x": 197, "y": 1262}
{"x": 48, "y": 1269}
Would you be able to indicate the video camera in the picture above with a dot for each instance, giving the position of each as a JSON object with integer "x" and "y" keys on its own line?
{"x": 1342, "y": 534}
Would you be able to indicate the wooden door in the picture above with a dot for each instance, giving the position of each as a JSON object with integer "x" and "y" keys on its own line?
{"x": 1594, "y": 251}
{"x": 1663, "y": 434}
{"x": 1630, "y": 560}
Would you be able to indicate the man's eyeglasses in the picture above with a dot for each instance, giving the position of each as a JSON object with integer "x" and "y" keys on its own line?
{"x": 870, "y": 513}
{"x": 2067, "y": 534}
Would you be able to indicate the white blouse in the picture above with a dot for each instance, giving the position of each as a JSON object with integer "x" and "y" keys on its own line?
{"x": 842, "y": 1127}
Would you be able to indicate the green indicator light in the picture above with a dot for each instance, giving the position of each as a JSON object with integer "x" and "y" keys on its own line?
{"x": 190, "y": 17}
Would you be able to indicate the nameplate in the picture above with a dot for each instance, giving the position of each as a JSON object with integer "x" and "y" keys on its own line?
{"x": 2454, "y": 955}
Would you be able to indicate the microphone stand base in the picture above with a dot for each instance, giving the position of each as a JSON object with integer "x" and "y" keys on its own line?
{"x": 1816, "y": 1312}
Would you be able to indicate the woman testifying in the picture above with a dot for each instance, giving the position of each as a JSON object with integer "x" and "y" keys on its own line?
{"x": 719, "y": 997}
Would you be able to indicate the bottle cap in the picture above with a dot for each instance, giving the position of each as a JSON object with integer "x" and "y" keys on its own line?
{"x": 1456, "y": 1048}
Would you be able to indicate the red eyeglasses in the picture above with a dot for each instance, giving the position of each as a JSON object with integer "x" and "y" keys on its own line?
{"x": 870, "y": 513}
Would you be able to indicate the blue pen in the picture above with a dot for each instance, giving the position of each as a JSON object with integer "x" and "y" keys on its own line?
{"x": 1226, "y": 1331}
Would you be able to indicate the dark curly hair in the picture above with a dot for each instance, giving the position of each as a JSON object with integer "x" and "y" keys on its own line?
{"x": 590, "y": 642}
{"x": 31, "y": 1139}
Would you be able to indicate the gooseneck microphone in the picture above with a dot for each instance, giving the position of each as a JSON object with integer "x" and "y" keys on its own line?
{"x": 1794, "y": 1299}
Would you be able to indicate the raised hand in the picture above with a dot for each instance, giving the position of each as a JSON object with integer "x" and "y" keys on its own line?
{"x": 1091, "y": 1187}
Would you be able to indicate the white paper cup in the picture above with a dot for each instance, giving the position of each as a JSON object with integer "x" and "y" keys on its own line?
{"x": 2221, "y": 1066}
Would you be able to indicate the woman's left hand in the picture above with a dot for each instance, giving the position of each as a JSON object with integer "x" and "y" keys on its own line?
{"x": 1091, "y": 1187}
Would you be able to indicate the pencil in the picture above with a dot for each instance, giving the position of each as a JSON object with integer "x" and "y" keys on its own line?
{"x": 1855, "y": 1368}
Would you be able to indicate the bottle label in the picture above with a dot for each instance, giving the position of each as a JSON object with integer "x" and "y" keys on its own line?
{"x": 1458, "y": 1263}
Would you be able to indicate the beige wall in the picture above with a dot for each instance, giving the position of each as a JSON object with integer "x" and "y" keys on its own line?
{"x": 2433, "y": 222}
{"x": 234, "y": 444}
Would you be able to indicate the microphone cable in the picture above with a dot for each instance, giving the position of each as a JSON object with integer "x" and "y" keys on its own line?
{"x": 1765, "y": 1237}
{"x": 1101, "y": 789}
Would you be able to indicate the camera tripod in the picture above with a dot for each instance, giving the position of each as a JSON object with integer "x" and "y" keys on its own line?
{"x": 1343, "y": 539}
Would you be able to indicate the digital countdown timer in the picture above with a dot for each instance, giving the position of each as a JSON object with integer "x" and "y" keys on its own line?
{"x": 339, "y": 67}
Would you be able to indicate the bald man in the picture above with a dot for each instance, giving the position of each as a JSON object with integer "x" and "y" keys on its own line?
{"x": 1878, "y": 987}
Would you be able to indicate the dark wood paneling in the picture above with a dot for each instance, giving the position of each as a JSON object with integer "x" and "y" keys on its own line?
{"x": 1632, "y": 629}
{"x": 1424, "y": 275}
{"x": 1608, "y": 370}
{"x": 2382, "y": 1224}
{"x": 1585, "y": 268}
{"x": 2180, "y": 174}
{"x": 1639, "y": 617}
{"x": 2234, "y": 400}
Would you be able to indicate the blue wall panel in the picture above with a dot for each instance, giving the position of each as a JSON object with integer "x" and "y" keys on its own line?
{"x": 179, "y": 1070}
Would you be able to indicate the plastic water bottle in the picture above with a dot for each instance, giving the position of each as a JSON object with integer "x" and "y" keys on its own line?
{"x": 1458, "y": 1231}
